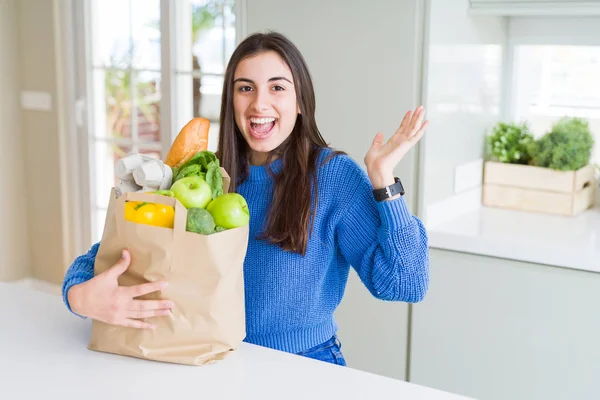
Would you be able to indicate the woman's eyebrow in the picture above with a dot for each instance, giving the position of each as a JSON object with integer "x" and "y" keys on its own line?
{"x": 275, "y": 78}
{"x": 243, "y": 80}
{"x": 279, "y": 78}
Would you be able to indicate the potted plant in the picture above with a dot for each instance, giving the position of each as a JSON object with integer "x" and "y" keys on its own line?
{"x": 552, "y": 174}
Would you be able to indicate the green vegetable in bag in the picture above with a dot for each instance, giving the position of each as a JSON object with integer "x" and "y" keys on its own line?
{"x": 205, "y": 165}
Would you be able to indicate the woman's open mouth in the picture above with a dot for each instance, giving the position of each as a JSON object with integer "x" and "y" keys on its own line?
{"x": 261, "y": 128}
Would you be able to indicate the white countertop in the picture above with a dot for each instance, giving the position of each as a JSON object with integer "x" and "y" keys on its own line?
{"x": 570, "y": 242}
{"x": 43, "y": 354}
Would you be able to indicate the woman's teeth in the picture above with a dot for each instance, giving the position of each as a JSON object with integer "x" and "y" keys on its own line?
{"x": 261, "y": 127}
{"x": 262, "y": 120}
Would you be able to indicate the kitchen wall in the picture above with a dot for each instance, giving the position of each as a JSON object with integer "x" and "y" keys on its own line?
{"x": 14, "y": 240}
{"x": 30, "y": 145}
{"x": 365, "y": 62}
{"x": 463, "y": 76}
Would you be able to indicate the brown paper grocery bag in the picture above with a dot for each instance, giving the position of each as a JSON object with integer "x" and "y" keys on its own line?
{"x": 206, "y": 283}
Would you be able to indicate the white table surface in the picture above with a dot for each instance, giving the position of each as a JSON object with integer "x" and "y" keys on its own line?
{"x": 43, "y": 354}
{"x": 569, "y": 242}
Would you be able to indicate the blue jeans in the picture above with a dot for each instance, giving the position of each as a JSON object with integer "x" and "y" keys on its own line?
{"x": 330, "y": 352}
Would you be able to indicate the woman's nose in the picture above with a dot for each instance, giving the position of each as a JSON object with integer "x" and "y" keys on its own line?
{"x": 260, "y": 102}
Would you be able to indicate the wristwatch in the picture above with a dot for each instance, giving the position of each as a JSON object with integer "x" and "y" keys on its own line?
{"x": 389, "y": 191}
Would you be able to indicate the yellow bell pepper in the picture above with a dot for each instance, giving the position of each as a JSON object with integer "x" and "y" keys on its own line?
{"x": 150, "y": 214}
{"x": 130, "y": 210}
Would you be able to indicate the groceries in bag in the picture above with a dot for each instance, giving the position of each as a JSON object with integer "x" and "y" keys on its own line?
{"x": 192, "y": 175}
{"x": 201, "y": 260}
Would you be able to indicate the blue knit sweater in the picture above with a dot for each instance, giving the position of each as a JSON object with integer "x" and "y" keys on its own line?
{"x": 291, "y": 299}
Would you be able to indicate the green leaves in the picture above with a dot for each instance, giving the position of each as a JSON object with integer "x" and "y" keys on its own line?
{"x": 204, "y": 164}
{"x": 215, "y": 179}
{"x": 201, "y": 158}
{"x": 567, "y": 147}
{"x": 509, "y": 143}
{"x": 191, "y": 170}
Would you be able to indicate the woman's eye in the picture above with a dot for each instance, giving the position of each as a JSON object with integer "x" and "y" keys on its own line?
{"x": 278, "y": 88}
{"x": 245, "y": 88}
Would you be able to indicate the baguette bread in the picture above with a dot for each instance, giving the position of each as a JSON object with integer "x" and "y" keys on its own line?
{"x": 192, "y": 138}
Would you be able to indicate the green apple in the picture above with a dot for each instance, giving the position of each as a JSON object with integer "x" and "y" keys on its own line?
{"x": 192, "y": 192}
{"x": 163, "y": 193}
{"x": 229, "y": 210}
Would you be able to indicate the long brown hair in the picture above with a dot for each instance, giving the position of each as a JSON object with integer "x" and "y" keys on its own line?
{"x": 290, "y": 220}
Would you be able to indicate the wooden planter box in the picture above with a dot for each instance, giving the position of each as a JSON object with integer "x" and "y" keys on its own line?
{"x": 527, "y": 188}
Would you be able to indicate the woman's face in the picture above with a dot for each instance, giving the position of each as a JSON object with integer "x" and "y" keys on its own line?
{"x": 264, "y": 103}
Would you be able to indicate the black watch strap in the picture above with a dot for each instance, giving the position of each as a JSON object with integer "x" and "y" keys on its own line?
{"x": 389, "y": 191}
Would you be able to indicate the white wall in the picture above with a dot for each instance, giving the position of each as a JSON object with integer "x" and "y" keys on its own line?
{"x": 38, "y": 71}
{"x": 14, "y": 241}
{"x": 365, "y": 61}
{"x": 463, "y": 93}
{"x": 32, "y": 228}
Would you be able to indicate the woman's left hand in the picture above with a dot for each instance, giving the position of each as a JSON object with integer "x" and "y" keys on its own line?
{"x": 382, "y": 158}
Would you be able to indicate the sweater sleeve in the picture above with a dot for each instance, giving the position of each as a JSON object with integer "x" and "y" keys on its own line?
{"x": 81, "y": 270}
{"x": 384, "y": 243}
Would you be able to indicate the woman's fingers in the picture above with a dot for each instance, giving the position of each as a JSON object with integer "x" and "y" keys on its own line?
{"x": 134, "y": 323}
{"x": 419, "y": 134}
{"x": 412, "y": 127}
{"x": 145, "y": 305}
{"x": 405, "y": 121}
{"x": 418, "y": 114}
{"x": 120, "y": 266}
{"x": 404, "y": 125}
{"x": 140, "y": 309}
{"x": 411, "y": 123}
{"x": 148, "y": 313}
{"x": 145, "y": 288}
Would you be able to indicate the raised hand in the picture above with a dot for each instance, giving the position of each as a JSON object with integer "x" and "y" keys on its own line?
{"x": 382, "y": 158}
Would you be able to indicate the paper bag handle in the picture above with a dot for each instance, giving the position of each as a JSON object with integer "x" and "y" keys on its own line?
{"x": 180, "y": 211}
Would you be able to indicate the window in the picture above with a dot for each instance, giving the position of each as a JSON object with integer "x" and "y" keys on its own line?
{"x": 152, "y": 66}
{"x": 206, "y": 37}
{"x": 556, "y": 74}
{"x": 554, "y": 81}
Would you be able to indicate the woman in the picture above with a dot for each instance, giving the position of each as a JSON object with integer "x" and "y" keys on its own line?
{"x": 314, "y": 212}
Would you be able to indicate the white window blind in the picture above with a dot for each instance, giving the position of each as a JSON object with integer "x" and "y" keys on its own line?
{"x": 535, "y": 7}
{"x": 581, "y": 31}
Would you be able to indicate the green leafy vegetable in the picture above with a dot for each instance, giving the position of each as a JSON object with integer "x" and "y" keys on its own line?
{"x": 215, "y": 179}
{"x": 204, "y": 164}
{"x": 191, "y": 170}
